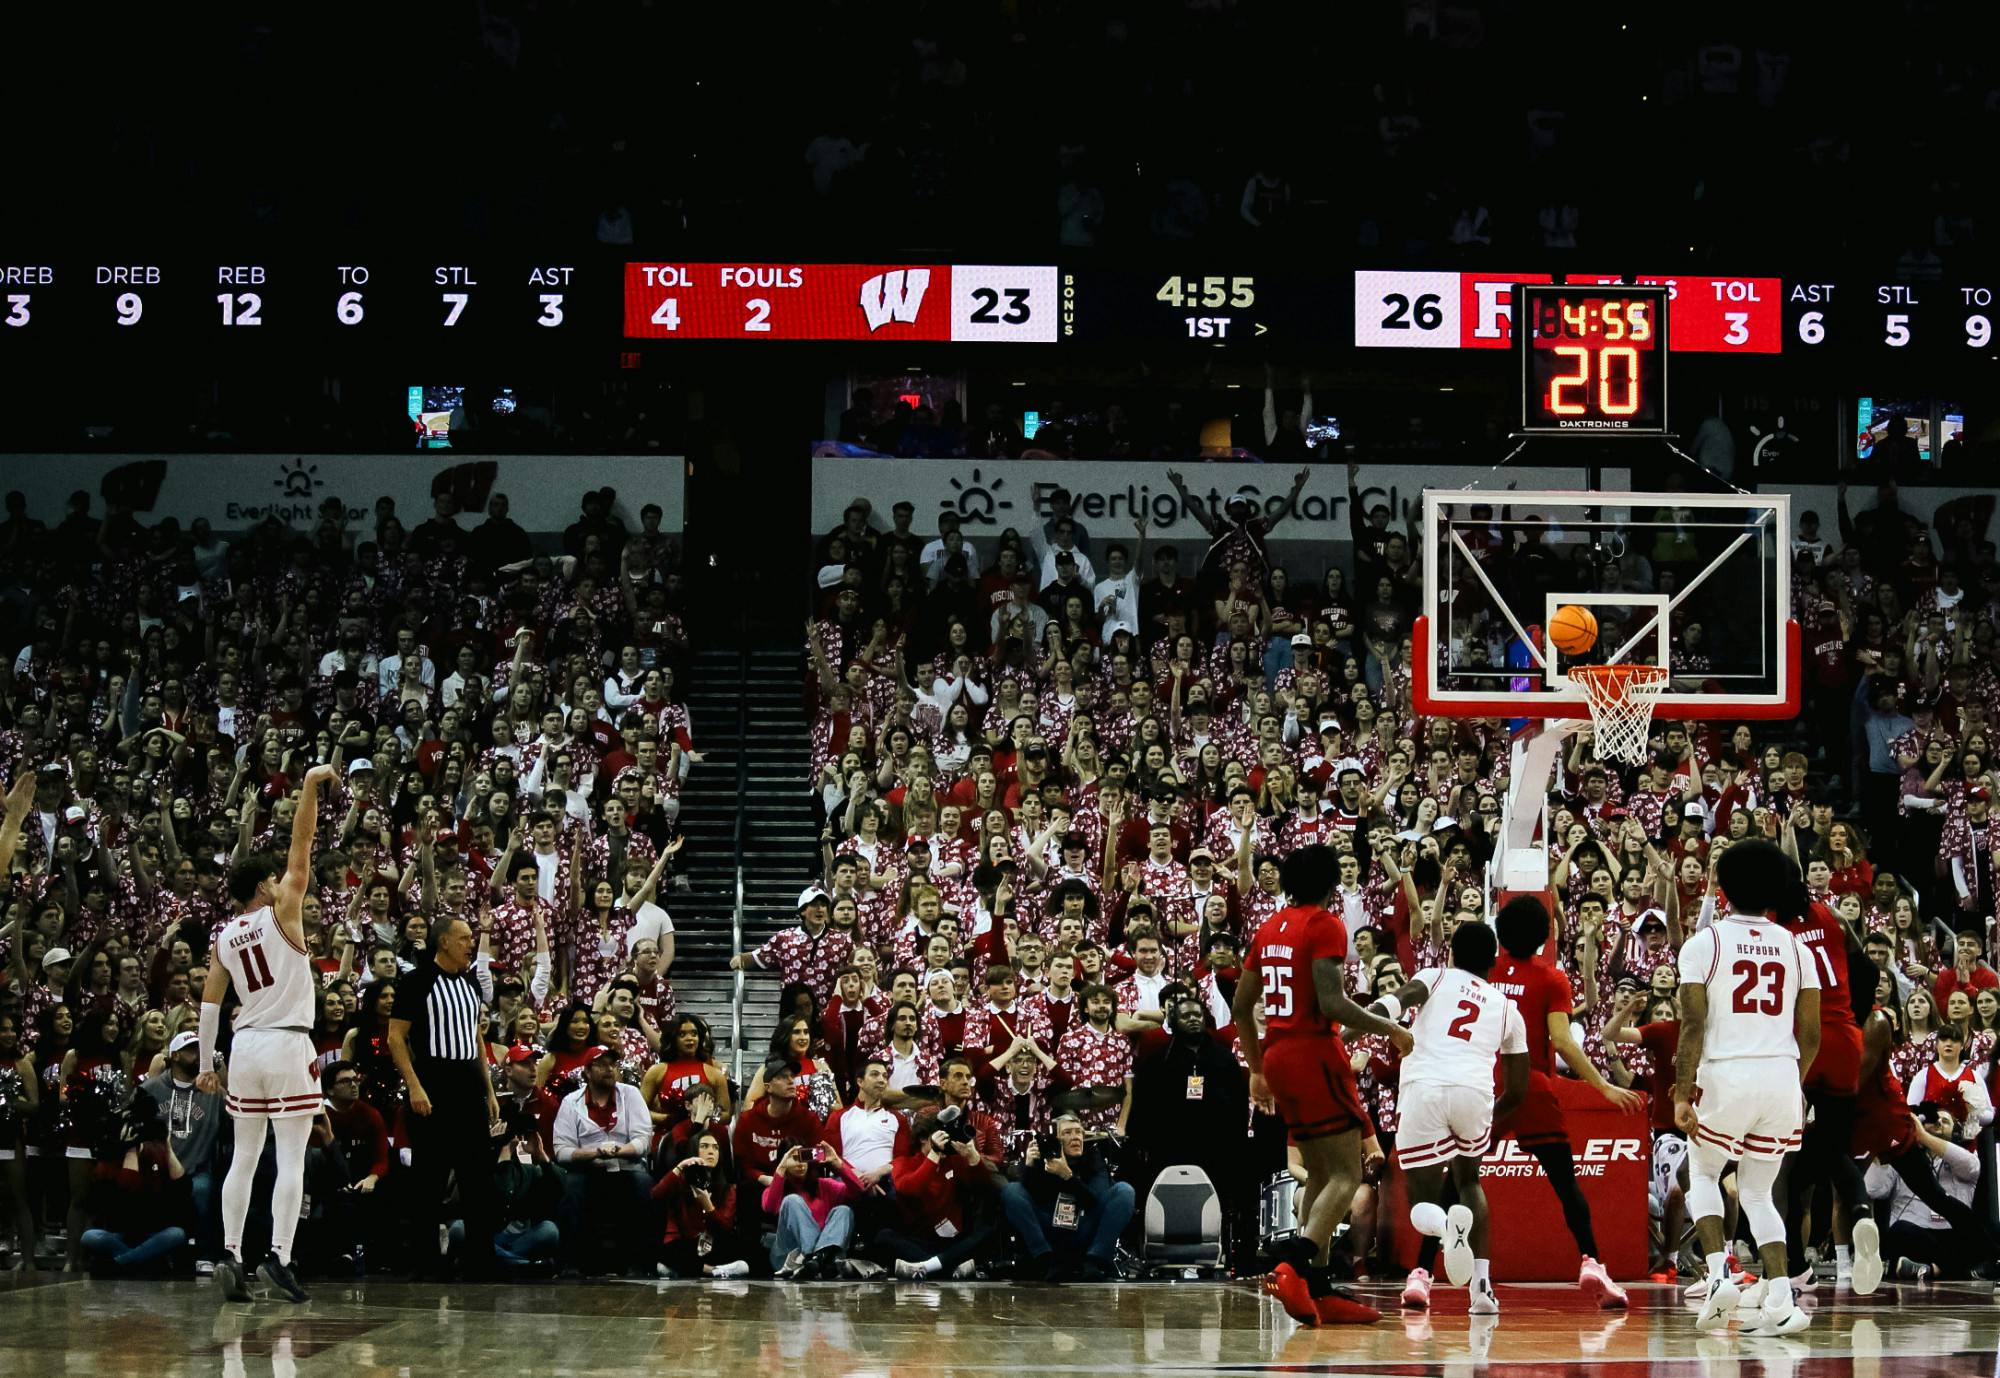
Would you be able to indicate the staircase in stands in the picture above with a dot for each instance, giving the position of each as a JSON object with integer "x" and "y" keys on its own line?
{"x": 750, "y": 820}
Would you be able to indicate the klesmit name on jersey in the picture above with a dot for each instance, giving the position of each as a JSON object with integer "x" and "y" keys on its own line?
{"x": 1276, "y": 951}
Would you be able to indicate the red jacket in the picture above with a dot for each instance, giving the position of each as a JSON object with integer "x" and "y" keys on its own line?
{"x": 928, "y": 1192}
{"x": 685, "y": 1219}
{"x": 758, "y": 1141}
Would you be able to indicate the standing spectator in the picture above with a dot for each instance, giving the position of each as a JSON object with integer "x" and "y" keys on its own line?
{"x": 454, "y": 1115}
{"x": 602, "y": 1133}
{"x": 1968, "y": 971}
{"x": 809, "y": 954}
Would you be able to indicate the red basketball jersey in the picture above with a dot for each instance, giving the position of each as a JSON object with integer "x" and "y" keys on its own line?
{"x": 1824, "y": 938}
{"x": 1538, "y": 990}
{"x": 1288, "y": 944}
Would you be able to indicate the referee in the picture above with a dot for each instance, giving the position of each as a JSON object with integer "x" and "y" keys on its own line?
{"x": 436, "y": 1036}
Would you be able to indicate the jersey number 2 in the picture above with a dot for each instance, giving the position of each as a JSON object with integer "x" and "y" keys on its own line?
{"x": 256, "y": 971}
{"x": 1468, "y": 1015}
{"x": 1750, "y": 975}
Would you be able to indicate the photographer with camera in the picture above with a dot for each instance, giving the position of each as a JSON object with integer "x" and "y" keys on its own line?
{"x": 942, "y": 1189}
{"x": 1066, "y": 1206}
{"x": 138, "y": 1202}
{"x": 529, "y": 1189}
{"x": 363, "y": 1138}
{"x": 699, "y": 1193}
{"x": 812, "y": 1194}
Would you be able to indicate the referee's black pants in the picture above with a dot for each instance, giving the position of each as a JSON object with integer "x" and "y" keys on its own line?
{"x": 453, "y": 1142}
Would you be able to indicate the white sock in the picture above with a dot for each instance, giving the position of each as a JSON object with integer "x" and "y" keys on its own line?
{"x": 1778, "y": 1294}
{"x": 1482, "y": 1273}
{"x": 1843, "y": 1256}
{"x": 1718, "y": 1267}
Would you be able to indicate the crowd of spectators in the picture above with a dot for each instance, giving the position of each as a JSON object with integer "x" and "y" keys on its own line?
{"x": 513, "y": 740}
{"x": 1058, "y": 771}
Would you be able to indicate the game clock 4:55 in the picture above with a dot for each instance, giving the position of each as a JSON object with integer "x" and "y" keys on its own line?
{"x": 1208, "y": 293}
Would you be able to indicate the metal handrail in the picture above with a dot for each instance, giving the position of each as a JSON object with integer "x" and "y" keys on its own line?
{"x": 742, "y": 791}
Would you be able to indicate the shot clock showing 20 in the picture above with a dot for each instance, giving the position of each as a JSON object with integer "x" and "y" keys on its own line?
{"x": 1593, "y": 360}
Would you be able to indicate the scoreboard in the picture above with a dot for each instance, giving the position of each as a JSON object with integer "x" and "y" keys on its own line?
{"x": 520, "y": 307}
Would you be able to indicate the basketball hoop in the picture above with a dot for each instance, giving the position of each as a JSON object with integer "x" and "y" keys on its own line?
{"x": 1621, "y": 699}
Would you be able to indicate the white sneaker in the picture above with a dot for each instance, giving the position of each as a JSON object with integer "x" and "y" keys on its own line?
{"x": 1718, "y": 1306}
{"x": 795, "y": 1262}
{"x": 966, "y": 1271}
{"x": 1867, "y": 1266}
{"x": 1481, "y": 1301}
{"x": 1751, "y": 1298}
{"x": 735, "y": 1268}
{"x": 1417, "y": 1291}
{"x": 1766, "y": 1322}
{"x": 910, "y": 1271}
{"x": 1458, "y": 1245}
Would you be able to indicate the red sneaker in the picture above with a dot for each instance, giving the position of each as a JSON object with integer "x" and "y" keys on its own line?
{"x": 1292, "y": 1293}
{"x": 1340, "y": 1307}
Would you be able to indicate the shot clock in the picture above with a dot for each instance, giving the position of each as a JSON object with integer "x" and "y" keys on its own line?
{"x": 1593, "y": 360}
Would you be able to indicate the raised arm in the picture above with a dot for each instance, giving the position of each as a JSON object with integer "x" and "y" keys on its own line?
{"x": 1189, "y": 505}
{"x": 298, "y": 861}
{"x": 1291, "y": 499}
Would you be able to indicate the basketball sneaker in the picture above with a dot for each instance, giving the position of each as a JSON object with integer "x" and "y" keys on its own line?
{"x": 1458, "y": 1245}
{"x": 1290, "y": 1289}
{"x": 229, "y": 1276}
{"x": 1867, "y": 1275}
{"x": 1417, "y": 1291}
{"x": 1766, "y": 1322}
{"x": 1718, "y": 1306}
{"x": 1338, "y": 1306}
{"x": 1480, "y": 1300}
{"x": 1598, "y": 1285}
{"x": 279, "y": 1274}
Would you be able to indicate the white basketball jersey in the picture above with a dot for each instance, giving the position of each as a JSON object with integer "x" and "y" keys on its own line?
{"x": 1753, "y": 971}
{"x": 272, "y": 976}
{"x": 1460, "y": 1029}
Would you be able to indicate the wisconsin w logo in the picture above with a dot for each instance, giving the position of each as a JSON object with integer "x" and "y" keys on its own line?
{"x": 894, "y": 296}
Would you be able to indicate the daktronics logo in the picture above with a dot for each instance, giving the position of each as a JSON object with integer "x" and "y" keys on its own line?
{"x": 894, "y": 296}
{"x": 1509, "y": 1159}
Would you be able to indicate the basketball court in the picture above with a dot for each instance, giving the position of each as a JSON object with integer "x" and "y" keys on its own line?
{"x": 167, "y": 1330}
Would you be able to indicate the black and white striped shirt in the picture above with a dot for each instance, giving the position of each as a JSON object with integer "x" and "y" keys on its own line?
{"x": 447, "y": 1018}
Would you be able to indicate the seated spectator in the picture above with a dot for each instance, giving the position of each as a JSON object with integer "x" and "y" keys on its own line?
{"x": 699, "y": 1194}
{"x": 1923, "y": 1243}
{"x": 194, "y": 1126}
{"x": 812, "y": 1197}
{"x": 942, "y": 1189}
{"x": 138, "y": 1204}
{"x": 363, "y": 1140}
{"x": 1066, "y": 1210}
{"x": 530, "y": 1192}
{"x": 763, "y": 1132}
{"x": 603, "y": 1132}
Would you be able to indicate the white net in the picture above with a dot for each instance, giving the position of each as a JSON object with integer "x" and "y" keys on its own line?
{"x": 1621, "y": 699}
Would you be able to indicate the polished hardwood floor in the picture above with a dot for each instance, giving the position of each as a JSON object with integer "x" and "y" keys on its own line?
{"x": 54, "y": 1325}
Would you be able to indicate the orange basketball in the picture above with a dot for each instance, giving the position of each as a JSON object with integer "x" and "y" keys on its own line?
{"x": 1573, "y": 630}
